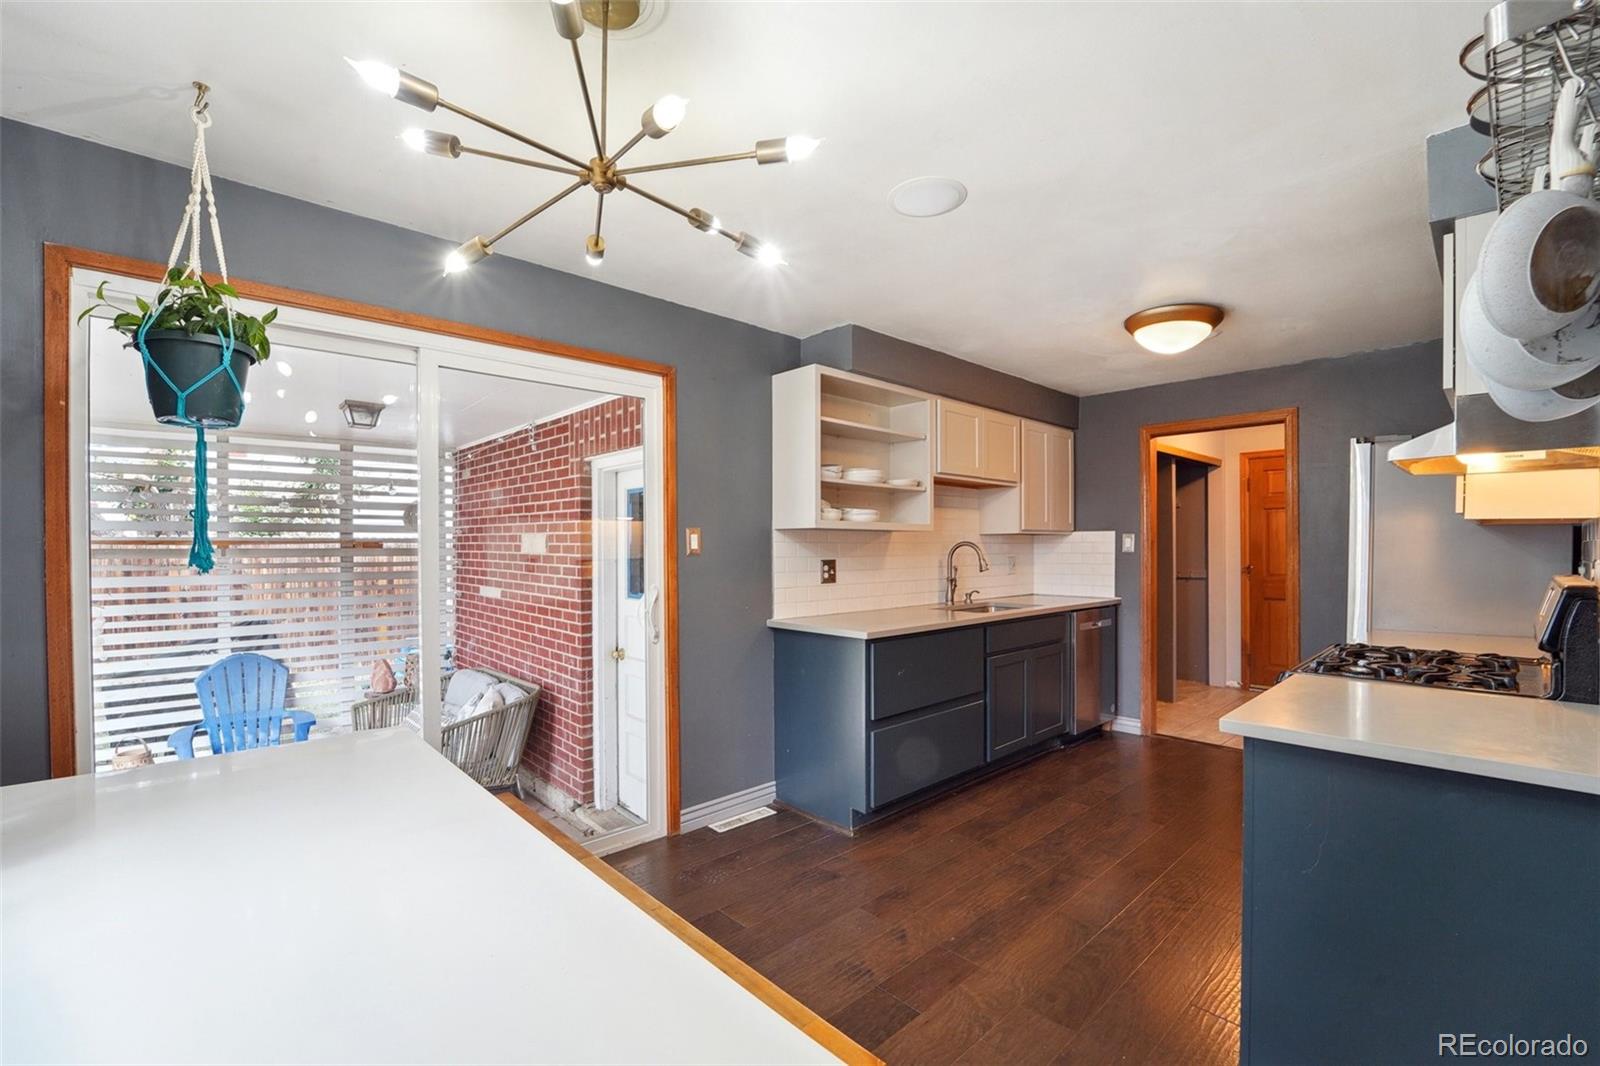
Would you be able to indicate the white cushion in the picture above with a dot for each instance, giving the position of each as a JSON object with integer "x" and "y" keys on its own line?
{"x": 510, "y": 693}
{"x": 488, "y": 700}
{"x": 466, "y": 686}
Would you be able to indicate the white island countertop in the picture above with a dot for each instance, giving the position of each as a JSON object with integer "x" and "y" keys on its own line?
{"x": 354, "y": 899}
{"x": 1539, "y": 742}
{"x": 926, "y": 618}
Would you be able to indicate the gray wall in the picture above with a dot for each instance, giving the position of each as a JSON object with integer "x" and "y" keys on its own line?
{"x": 1366, "y": 395}
{"x": 66, "y": 191}
{"x": 879, "y": 355}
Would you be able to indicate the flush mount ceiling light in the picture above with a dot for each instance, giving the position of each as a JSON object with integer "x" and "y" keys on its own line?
{"x": 1173, "y": 328}
{"x": 362, "y": 414}
{"x": 927, "y": 197}
{"x": 602, "y": 172}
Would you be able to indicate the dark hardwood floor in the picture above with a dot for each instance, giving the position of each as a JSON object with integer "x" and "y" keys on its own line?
{"x": 1082, "y": 907}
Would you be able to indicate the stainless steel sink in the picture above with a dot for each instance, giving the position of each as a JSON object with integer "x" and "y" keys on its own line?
{"x": 988, "y": 608}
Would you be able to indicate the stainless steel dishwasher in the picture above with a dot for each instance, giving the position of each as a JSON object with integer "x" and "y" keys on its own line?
{"x": 1094, "y": 668}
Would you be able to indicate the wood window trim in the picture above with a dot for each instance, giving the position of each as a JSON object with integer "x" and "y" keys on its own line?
{"x": 1289, "y": 418}
{"x": 59, "y": 263}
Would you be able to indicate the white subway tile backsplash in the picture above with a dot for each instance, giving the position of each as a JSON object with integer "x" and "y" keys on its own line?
{"x": 878, "y": 570}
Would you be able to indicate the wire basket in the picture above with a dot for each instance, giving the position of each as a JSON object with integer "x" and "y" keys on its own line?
{"x": 1528, "y": 49}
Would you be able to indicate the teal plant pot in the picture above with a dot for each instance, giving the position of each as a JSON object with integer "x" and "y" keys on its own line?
{"x": 186, "y": 358}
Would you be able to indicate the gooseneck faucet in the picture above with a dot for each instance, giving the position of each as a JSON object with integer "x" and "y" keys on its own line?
{"x": 950, "y": 566}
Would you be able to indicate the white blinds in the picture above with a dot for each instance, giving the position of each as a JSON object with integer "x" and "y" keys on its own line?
{"x": 316, "y": 566}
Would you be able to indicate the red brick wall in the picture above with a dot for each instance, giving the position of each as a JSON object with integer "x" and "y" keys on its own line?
{"x": 536, "y": 480}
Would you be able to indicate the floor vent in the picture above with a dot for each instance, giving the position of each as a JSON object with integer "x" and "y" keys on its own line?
{"x": 742, "y": 819}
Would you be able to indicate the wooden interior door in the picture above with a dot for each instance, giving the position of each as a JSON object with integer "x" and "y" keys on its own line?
{"x": 1165, "y": 548}
{"x": 1266, "y": 593}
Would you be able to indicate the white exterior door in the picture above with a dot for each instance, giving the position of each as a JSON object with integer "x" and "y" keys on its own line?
{"x": 629, "y": 659}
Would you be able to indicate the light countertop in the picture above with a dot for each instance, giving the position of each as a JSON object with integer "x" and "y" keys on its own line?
{"x": 1469, "y": 643}
{"x": 899, "y": 621}
{"x": 1539, "y": 742}
{"x": 352, "y": 899}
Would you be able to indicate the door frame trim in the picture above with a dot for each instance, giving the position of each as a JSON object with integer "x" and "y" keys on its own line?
{"x": 1244, "y": 550}
{"x": 59, "y": 263}
{"x": 1289, "y": 418}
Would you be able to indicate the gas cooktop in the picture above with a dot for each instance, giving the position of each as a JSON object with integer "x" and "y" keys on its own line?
{"x": 1483, "y": 672}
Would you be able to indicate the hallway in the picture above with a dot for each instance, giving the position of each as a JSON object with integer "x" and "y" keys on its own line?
{"x": 1194, "y": 714}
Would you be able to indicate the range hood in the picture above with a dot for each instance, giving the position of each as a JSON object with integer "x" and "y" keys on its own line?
{"x": 1484, "y": 439}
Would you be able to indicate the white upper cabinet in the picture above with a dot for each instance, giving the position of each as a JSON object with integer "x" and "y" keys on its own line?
{"x": 1042, "y": 500}
{"x": 977, "y": 445}
{"x": 823, "y": 417}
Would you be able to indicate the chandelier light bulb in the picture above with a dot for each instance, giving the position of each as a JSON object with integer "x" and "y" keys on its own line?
{"x": 569, "y": 18}
{"x": 380, "y": 76}
{"x": 798, "y": 147}
{"x": 664, "y": 115}
{"x": 595, "y": 250}
{"x": 765, "y": 254}
{"x": 473, "y": 251}
{"x": 415, "y": 139}
{"x": 432, "y": 142}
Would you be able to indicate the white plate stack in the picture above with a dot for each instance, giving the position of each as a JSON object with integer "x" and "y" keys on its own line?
{"x": 860, "y": 514}
{"x": 865, "y": 475}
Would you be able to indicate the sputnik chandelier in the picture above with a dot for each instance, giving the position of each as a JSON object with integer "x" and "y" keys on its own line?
{"x": 601, "y": 173}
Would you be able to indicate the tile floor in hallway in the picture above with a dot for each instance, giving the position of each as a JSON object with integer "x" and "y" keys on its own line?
{"x": 1081, "y": 907}
{"x": 1194, "y": 714}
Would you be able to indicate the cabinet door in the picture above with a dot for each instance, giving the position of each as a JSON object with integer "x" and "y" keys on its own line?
{"x": 1035, "y": 485}
{"x": 1008, "y": 703}
{"x": 998, "y": 452}
{"x": 960, "y": 439}
{"x": 1047, "y": 692}
{"x": 1062, "y": 473}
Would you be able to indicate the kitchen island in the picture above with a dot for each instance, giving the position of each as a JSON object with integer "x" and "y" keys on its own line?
{"x": 876, "y": 710}
{"x": 353, "y": 899}
{"x": 1419, "y": 863}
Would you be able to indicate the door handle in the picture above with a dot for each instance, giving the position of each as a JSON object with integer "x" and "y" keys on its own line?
{"x": 647, "y": 611}
{"x": 1248, "y": 568}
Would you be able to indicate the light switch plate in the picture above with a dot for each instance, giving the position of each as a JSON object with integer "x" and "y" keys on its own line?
{"x": 1127, "y": 544}
{"x": 691, "y": 540}
{"x": 830, "y": 571}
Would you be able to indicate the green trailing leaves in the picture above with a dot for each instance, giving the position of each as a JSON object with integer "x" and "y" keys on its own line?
{"x": 193, "y": 305}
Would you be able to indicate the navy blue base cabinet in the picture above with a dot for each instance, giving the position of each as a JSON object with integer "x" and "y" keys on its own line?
{"x": 865, "y": 727}
{"x": 1386, "y": 905}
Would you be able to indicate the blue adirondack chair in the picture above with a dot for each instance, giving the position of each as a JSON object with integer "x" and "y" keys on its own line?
{"x": 242, "y": 699}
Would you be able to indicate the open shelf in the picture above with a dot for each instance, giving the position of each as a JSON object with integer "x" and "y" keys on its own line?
{"x": 877, "y": 485}
{"x": 842, "y": 427}
{"x": 868, "y": 527}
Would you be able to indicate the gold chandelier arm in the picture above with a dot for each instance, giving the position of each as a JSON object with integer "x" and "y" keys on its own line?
{"x": 680, "y": 163}
{"x": 588, "y": 105}
{"x": 599, "y": 210}
{"x": 485, "y": 153}
{"x": 557, "y": 198}
{"x": 697, "y": 221}
{"x": 513, "y": 134}
{"x": 605, "y": 68}
{"x": 635, "y": 139}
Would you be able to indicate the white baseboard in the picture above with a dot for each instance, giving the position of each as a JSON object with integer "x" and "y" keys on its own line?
{"x": 703, "y": 814}
{"x": 1123, "y": 723}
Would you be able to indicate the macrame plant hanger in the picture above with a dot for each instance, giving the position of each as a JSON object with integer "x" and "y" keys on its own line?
{"x": 200, "y": 552}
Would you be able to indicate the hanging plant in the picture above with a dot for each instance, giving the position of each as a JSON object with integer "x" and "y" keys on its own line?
{"x": 185, "y": 333}
{"x": 197, "y": 348}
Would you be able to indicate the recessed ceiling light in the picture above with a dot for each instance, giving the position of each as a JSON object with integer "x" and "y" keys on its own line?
{"x": 311, "y": 416}
{"x": 283, "y": 368}
{"x": 389, "y": 398}
{"x": 1173, "y": 328}
{"x": 282, "y": 393}
{"x": 927, "y": 197}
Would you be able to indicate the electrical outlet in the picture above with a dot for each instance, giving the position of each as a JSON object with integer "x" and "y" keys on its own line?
{"x": 830, "y": 571}
{"x": 1011, "y": 564}
{"x": 1127, "y": 544}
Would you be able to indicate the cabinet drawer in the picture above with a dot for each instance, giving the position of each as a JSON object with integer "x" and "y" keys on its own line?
{"x": 1027, "y": 632}
{"x": 923, "y": 750}
{"x": 912, "y": 672}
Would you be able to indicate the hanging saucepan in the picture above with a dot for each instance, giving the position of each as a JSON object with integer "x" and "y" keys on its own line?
{"x": 1540, "y": 265}
{"x": 1508, "y": 362}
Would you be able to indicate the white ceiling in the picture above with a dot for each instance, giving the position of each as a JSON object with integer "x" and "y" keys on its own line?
{"x": 471, "y": 406}
{"x": 1267, "y": 157}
